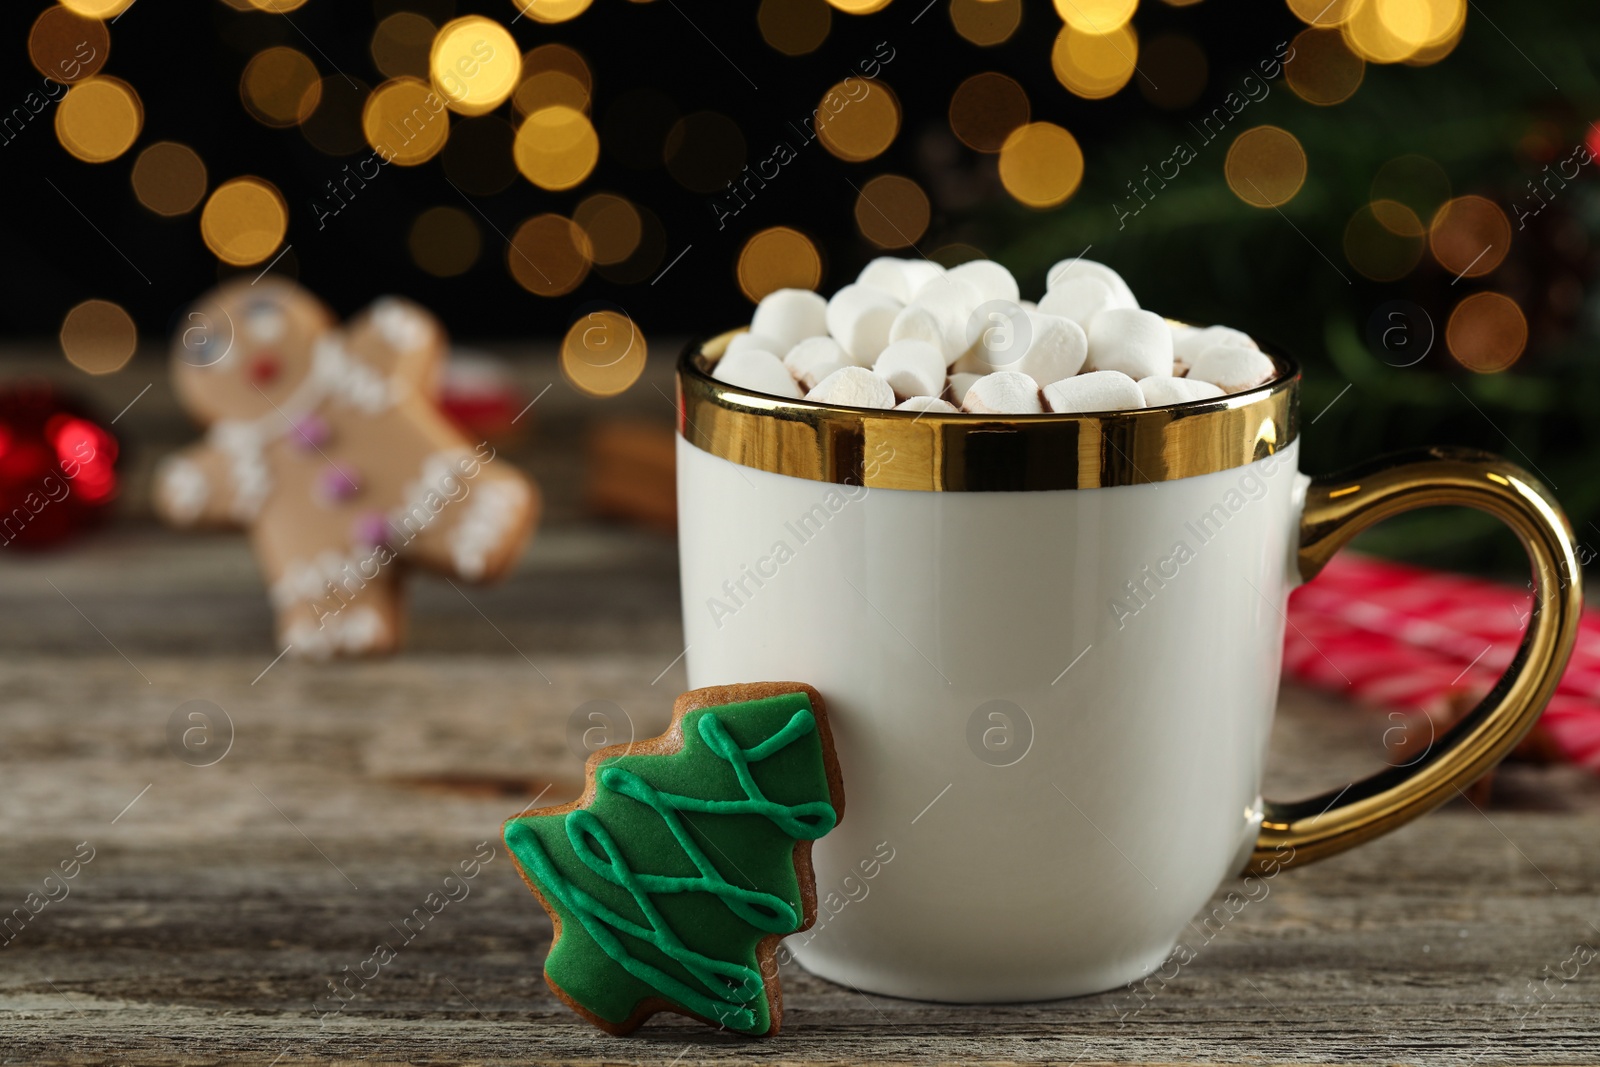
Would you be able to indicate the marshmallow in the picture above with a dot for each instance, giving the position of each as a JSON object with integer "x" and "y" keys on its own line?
{"x": 814, "y": 359}
{"x": 1182, "y": 340}
{"x": 859, "y": 319}
{"x": 998, "y": 333}
{"x": 1068, "y": 269}
{"x": 931, "y": 339}
{"x": 927, "y": 403}
{"x": 1100, "y": 390}
{"x": 1003, "y": 393}
{"x": 919, "y": 272}
{"x": 1189, "y": 341}
{"x": 1081, "y": 299}
{"x": 912, "y": 368}
{"x": 1232, "y": 369}
{"x": 790, "y": 316}
{"x": 1159, "y": 392}
{"x": 752, "y": 340}
{"x": 974, "y": 361}
{"x": 960, "y": 382}
{"x": 762, "y": 372}
{"x": 900, "y": 278}
{"x": 946, "y": 290}
{"x": 1058, "y": 349}
{"x": 953, "y": 301}
{"x": 990, "y": 279}
{"x": 918, "y": 323}
{"x": 1137, "y": 343}
{"x": 853, "y": 387}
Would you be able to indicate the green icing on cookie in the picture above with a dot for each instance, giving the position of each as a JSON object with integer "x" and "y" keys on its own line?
{"x": 666, "y": 883}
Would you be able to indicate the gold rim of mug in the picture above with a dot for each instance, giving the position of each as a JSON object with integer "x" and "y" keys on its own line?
{"x": 941, "y": 452}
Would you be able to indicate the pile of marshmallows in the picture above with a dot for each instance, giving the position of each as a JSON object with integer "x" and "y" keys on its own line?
{"x": 913, "y": 336}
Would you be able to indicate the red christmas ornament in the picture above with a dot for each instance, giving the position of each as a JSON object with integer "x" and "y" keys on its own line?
{"x": 57, "y": 467}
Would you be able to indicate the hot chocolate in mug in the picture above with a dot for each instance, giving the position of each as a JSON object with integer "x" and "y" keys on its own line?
{"x": 1050, "y": 647}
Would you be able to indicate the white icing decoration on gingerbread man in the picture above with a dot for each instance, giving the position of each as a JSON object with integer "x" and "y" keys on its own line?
{"x": 490, "y": 513}
{"x": 183, "y": 487}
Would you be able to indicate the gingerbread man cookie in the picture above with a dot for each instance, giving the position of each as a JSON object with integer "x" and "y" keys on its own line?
{"x": 328, "y": 445}
{"x": 672, "y": 879}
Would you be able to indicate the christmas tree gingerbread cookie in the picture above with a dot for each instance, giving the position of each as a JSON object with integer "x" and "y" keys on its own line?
{"x": 672, "y": 879}
{"x": 327, "y": 443}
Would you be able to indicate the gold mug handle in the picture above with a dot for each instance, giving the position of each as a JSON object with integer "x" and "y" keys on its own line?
{"x": 1342, "y": 505}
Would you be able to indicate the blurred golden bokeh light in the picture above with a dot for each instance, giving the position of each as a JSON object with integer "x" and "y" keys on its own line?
{"x": 704, "y": 151}
{"x": 1469, "y": 236}
{"x": 99, "y": 118}
{"x": 550, "y": 88}
{"x": 1445, "y": 21}
{"x": 406, "y": 121}
{"x": 1439, "y": 46}
{"x": 97, "y": 9}
{"x": 550, "y": 11}
{"x": 1486, "y": 332}
{"x": 613, "y": 224}
{"x": 1395, "y": 31}
{"x": 98, "y": 336}
{"x": 986, "y": 108}
{"x": 401, "y": 45}
{"x": 66, "y": 46}
{"x": 1096, "y": 16}
{"x": 858, "y": 119}
{"x": 556, "y": 148}
{"x": 1368, "y": 32}
{"x": 778, "y": 258}
{"x": 549, "y": 255}
{"x": 1321, "y": 69}
{"x": 1413, "y": 180}
{"x": 280, "y": 87}
{"x": 244, "y": 221}
{"x": 794, "y": 27}
{"x": 553, "y": 74}
{"x": 1397, "y": 218}
{"x": 859, "y": 7}
{"x": 276, "y": 7}
{"x": 475, "y": 64}
{"x": 603, "y": 353}
{"x": 986, "y": 22}
{"x": 1378, "y": 251}
{"x": 1094, "y": 65}
{"x": 1265, "y": 166}
{"x": 1173, "y": 71}
{"x": 892, "y": 211}
{"x": 169, "y": 178}
{"x": 444, "y": 241}
{"x": 646, "y": 259}
{"x": 1041, "y": 164}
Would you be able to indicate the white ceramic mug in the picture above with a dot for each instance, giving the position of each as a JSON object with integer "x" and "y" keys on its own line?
{"x": 1050, "y": 649}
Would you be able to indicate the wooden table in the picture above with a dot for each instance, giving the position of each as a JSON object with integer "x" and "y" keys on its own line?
{"x": 220, "y": 900}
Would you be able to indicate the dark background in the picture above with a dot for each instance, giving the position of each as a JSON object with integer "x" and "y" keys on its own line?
{"x": 1518, "y": 92}
{"x": 186, "y": 67}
